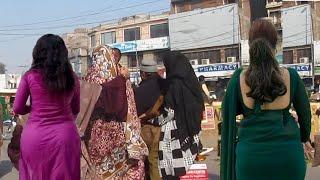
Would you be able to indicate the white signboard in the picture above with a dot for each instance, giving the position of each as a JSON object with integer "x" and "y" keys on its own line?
{"x": 302, "y": 69}
{"x": 154, "y": 43}
{"x": 245, "y": 56}
{"x": 216, "y": 70}
{"x": 297, "y": 26}
{"x": 143, "y": 45}
{"x": 316, "y": 52}
{"x": 203, "y": 28}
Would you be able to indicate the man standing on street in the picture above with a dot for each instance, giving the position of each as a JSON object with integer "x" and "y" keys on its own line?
{"x": 147, "y": 97}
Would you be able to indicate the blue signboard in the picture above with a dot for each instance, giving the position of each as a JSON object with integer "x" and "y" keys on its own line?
{"x": 142, "y": 45}
{"x": 218, "y": 67}
{"x": 125, "y": 47}
{"x": 303, "y": 67}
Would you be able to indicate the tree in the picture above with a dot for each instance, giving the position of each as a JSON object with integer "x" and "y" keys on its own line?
{"x": 2, "y": 68}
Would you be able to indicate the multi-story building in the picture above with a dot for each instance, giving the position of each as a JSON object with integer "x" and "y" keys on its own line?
{"x": 138, "y": 37}
{"x": 8, "y": 88}
{"x": 9, "y": 82}
{"x": 77, "y": 43}
{"x": 301, "y": 33}
{"x": 274, "y": 14}
{"x": 210, "y": 33}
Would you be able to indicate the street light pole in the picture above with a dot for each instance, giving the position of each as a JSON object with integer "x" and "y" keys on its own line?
{"x": 312, "y": 50}
{"x": 23, "y": 68}
{"x": 306, "y": 26}
{"x": 137, "y": 67}
{"x": 233, "y": 25}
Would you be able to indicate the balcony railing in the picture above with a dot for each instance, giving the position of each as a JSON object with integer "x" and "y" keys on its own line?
{"x": 274, "y": 4}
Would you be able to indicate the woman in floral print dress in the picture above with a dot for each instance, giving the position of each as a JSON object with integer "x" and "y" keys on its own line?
{"x": 113, "y": 146}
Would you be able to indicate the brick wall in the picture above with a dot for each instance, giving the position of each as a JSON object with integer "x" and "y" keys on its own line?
{"x": 244, "y": 14}
{"x": 188, "y": 6}
{"x": 316, "y": 21}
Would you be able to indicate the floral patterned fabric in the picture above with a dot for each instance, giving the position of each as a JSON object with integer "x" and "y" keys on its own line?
{"x": 112, "y": 150}
{"x": 104, "y": 67}
{"x": 137, "y": 148}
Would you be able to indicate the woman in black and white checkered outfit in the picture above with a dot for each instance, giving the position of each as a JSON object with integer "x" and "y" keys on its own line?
{"x": 181, "y": 119}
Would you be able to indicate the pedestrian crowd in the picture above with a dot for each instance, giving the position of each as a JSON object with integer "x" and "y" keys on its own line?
{"x": 101, "y": 127}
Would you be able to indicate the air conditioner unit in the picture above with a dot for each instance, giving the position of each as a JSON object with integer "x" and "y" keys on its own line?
{"x": 231, "y": 59}
{"x": 246, "y": 61}
{"x": 304, "y": 60}
{"x": 205, "y": 61}
{"x": 194, "y": 62}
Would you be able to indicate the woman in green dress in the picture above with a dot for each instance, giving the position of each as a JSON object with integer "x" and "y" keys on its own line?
{"x": 267, "y": 144}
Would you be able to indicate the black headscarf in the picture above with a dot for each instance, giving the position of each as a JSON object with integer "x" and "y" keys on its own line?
{"x": 183, "y": 95}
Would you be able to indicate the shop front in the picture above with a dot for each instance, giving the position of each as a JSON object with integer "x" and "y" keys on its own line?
{"x": 305, "y": 72}
{"x": 6, "y": 101}
{"x": 317, "y": 78}
{"x": 217, "y": 76}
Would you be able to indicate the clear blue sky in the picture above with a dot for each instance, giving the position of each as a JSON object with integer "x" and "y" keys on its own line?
{"x": 23, "y": 21}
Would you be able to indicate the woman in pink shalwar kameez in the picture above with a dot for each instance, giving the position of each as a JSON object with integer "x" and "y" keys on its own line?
{"x": 50, "y": 143}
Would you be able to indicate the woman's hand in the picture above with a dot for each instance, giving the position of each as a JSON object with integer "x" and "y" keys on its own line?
{"x": 294, "y": 115}
{"x": 149, "y": 115}
{"x": 308, "y": 150}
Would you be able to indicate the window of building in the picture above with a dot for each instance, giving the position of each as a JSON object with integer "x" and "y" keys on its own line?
{"x": 304, "y": 55}
{"x": 276, "y": 18}
{"x": 205, "y": 57}
{"x": 231, "y": 55}
{"x": 302, "y": 2}
{"x": 231, "y": 1}
{"x": 288, "y": 57}
{"x": 132, "y": 34}
{"x": 180, "y": 8}
{"x": 159, "y": 56}
{"x": 108, "y": 38}
{"x": 196, "y": 4}
{"x": 132, "y": 59}
{"x": 159, "y": 30}
{"x": 215, "y": 56}
{"x": 93, "y": 40}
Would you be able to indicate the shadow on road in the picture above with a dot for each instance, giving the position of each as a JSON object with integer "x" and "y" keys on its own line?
{"x": 214, "y": 177}
{"x": 5, "y": 168}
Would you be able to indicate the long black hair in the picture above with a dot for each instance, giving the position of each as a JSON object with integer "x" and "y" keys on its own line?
{"x": 50, "y": 56}
{"x": 264, "y": 76}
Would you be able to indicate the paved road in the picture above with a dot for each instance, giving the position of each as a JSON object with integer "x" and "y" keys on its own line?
{"x": 7, "y": 172}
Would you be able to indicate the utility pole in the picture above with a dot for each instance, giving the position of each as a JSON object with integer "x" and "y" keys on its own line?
{"x": 23, "y": 68}
{"x": 137, "y": 59}
{"x": 312, "y": 48}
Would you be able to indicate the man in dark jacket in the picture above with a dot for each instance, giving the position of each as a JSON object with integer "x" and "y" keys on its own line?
{"x": 146, "y": 96}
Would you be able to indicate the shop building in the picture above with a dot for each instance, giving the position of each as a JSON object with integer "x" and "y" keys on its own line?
{"x": 138, "y": 37}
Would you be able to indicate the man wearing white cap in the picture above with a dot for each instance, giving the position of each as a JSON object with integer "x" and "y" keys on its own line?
{"x": 147, "y": 97}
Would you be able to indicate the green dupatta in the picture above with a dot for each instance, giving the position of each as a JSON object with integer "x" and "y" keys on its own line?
{"x": 230, "y": 109}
